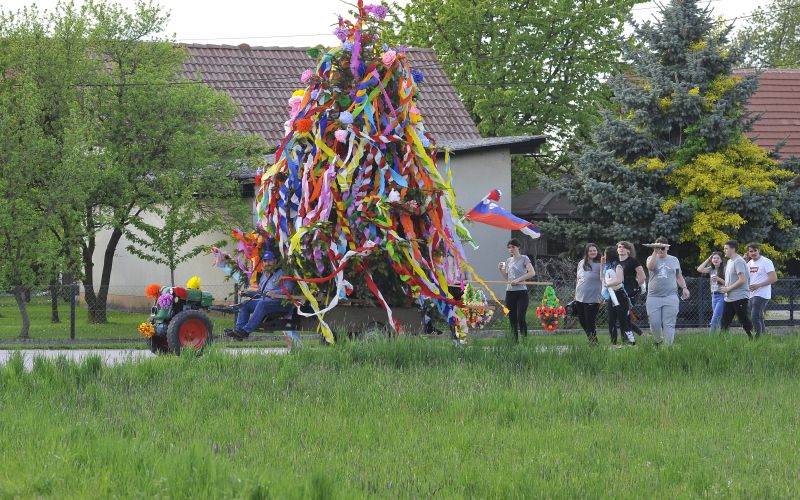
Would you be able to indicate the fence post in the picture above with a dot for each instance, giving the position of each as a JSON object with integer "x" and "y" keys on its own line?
{"x": 236, "y": 301}
{"x": 792, "y": 286}
{"x": 702, "y": 299}
{"x": 73, "y": 293}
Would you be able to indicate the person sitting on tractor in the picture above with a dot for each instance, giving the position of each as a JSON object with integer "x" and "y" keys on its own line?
{"x": 268, "y": 299}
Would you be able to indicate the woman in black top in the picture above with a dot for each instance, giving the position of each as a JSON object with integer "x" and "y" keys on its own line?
{"x": 632, "y": 282}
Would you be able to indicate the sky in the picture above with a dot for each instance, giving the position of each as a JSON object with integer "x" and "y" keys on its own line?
{"x": 301, "y": 22}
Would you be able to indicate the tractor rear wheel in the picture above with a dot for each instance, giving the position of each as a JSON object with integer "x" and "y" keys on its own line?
{"x": 190, "y": 329}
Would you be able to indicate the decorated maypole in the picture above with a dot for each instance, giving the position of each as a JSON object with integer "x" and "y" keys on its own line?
{"x": 354, "y": 195}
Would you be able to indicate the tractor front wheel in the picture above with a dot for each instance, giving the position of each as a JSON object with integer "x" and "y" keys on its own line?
{"x": 189, "y": 329}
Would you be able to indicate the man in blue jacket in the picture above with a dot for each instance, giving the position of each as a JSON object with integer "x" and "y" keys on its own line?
{"x": 269, "y": 298}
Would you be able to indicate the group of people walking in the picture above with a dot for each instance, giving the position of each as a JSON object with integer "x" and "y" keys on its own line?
{"x": 738, "y": 288}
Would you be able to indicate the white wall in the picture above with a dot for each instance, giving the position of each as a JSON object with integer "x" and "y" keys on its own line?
{"x": 130, "y": 274}
{"x": 474, "y": 175}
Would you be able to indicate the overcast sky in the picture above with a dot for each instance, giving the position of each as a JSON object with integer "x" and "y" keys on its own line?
{"x": 299, "y": 22}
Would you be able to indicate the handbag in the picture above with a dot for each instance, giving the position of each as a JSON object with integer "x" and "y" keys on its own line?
{"x": 571, "y": 309}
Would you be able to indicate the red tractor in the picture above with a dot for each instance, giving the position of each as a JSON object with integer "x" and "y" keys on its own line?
{"x": 178, "y": 320}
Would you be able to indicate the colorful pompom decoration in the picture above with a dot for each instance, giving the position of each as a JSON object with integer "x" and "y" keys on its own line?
{"x": 306, "y": 76}
{"x": 341, "y": 135}
{"x": 378, "y": 11}
{"x": 153, "y": 290}
{"x": 193, "y": 283}
{"x": 180, "y": 292}
{"x": 147, "y": 329}
{"x": 165, "y": 300}
{"x": 304, "y": 125}
{"x": 346, "y": 118}
{"x": 389, "y": 57}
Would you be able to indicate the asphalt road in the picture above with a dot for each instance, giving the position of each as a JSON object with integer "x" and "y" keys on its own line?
{"x": 114, "y": 356}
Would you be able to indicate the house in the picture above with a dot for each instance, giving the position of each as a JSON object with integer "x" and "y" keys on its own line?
{"x": 261, "y": 80}
{"x": 777, "y": 101}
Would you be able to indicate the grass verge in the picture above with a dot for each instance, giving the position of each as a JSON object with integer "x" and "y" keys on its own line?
{"x": 712, "y": 416}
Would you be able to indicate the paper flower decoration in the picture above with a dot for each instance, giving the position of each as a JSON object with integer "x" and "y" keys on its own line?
{"x": 477, "y": 310}
{"x": 341, "y": 135}
{"x": 147, "y": 329}
{"x": 193, "y": 283}
{"x": 346, "y": 118}
{"x": 304, "y": 125}
{"x": 378, "y": 11}
{"x": 306, "y": 76}
{"x": 550, "y": 310}
{"x": 341, "y": 33}
{"x": 153, "y": 290}
{"x": 418, "y": 76}
{"x": 389, "y": 57}
{"x": 165, "y": 300}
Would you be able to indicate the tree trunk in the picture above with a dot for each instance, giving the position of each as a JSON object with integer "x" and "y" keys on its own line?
{"x": 54, "y": 294}
{"x": 20, "y": 293}
{"x": 172, "y": 277}
{"x": 97, "y": 301}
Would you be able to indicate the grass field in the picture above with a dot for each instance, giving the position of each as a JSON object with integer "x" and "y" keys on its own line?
{"x": 121, "y": 325}
{"x": 712, "y": 416}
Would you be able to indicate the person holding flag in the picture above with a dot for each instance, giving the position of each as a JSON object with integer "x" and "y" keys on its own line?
{"x": 517, "y": 268}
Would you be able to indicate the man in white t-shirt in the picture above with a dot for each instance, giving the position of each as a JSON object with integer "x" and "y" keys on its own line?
{"x": 762, "y": 276}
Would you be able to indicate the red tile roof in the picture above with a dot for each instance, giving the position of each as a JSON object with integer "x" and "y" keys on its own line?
{"x": 778, "y": 101}
{"x": 261, "y": 80}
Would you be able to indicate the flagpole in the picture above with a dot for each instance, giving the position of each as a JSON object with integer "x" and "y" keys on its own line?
{"x": 506, "y": 282}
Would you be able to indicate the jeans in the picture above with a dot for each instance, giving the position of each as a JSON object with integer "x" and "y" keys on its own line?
{"x": 620, "y": 314}
{"x": 517, "y": 304}
{"x": 757, "y": 307}
{"x": 717, "y": 305}
{"x": 738, "y": 308}
{"x": 662, "y": 313}
{"x": 253, "y": 312}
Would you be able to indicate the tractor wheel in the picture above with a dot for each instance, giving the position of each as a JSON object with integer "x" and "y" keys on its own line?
{"x": 158, "y": 344}
{"x": 189, "y": 329}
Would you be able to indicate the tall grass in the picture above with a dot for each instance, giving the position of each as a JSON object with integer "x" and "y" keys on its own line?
{"x": 711, "y": 416}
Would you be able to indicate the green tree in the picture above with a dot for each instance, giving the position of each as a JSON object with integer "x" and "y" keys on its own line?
{"x": 671, "y": 157}
{"x": 180, "y": 218}
{"x": 38, "y": 55}
{"x": 147, "y": 122}
{"x": 772, "y": 35}
{"x": 524, "y": 67}
{"x": 114, "y": 116}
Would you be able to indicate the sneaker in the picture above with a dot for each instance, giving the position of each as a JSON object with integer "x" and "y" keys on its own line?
{"x": 631, "y": 338}
{"x": 616, "y": 346}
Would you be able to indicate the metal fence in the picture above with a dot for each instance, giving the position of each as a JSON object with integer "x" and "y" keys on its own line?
{"x": 47, "y": 305}
{"x": 782, "y": 309}
{"x": 53, "y": 310}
